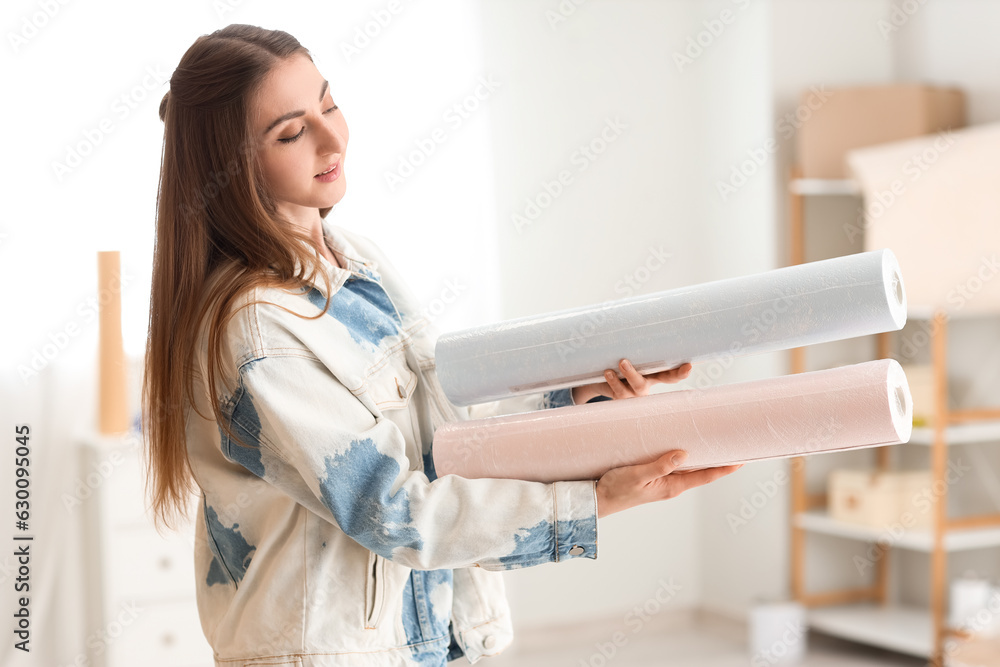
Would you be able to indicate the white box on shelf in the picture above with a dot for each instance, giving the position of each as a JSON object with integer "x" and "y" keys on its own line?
{"x": 881, "y": 498}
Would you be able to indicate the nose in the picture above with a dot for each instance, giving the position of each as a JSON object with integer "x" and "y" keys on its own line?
{"x": 331, "y": 139}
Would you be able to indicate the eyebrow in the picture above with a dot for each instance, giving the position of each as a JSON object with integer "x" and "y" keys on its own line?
{"x": 296, "y": 114}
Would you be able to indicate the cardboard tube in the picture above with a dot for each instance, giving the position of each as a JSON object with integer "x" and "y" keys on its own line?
{"x": 113, "y": 408}
{"x": 850, "y": 407}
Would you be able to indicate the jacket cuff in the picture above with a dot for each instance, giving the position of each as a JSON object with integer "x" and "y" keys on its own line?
{"x": 576, "y": 519}
{"x": 558, "y": 398}
{"x": 487, "y": 639}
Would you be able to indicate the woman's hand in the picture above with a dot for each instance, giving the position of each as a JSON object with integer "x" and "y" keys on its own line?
{"x": 634, "y": 385}
{"x": 628, "y": 486}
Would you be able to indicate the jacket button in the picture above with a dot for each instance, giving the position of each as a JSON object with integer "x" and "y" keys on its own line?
{"x": 402, "y": 394}
{"x": 490, "y": 641}
{"x": 576, "y": 550}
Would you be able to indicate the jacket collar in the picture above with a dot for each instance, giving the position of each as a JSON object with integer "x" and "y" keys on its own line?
{"x": 355, "y": 264}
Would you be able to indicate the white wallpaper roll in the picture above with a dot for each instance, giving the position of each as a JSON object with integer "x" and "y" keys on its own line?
{"x": 861, "y": 405}
{"x": 805, "y": 304}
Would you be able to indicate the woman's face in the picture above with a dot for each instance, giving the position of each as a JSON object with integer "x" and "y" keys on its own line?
{"x": 301, "y": 133}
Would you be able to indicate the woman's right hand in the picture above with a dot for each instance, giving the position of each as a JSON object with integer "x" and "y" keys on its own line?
{"x": 629, "y": 486}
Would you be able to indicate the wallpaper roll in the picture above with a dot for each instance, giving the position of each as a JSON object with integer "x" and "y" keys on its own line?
{"x": 113, "y": 414}
{"x": 805, "y": 304}
{"x": 861, "y": 405}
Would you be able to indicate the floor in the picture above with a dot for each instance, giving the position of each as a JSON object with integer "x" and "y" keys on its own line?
{"x": 684, "y": 640}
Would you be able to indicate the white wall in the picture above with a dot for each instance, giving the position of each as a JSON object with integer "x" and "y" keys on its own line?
{"x": 607, "y": 60}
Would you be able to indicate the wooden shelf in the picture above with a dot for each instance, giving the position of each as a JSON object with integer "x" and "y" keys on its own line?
{"x": 976, "y": 652}
{"x": 824, "y": 186}
{"x": 908, "y": 630}
{"x": 914, "y": 312}
{"x": 959, "y": 434}
{"x": 966, "y": 539}
{"x": 919, "y": 632}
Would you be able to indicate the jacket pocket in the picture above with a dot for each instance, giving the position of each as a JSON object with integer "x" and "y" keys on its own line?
{"x": 390, "y": 382}
{"x": 374, "y": 590}
{"x": 445, "y": 411}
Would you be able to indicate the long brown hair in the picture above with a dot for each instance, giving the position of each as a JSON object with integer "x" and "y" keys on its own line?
{"x": 218, "y": 234}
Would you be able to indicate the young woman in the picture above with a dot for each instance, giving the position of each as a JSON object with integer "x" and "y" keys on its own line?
{"x": 290, "y": 376}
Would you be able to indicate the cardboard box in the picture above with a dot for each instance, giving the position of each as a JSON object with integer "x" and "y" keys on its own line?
{"x": 836, "y": 120}
{"x": 882, "y": 499}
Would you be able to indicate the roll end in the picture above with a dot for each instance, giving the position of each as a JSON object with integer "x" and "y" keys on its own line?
{"x": 900, "y": 401}
{"x": 896, "y": 292}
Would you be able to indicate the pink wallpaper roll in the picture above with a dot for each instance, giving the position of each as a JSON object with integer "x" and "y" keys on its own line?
{"x": 862, "y": 405}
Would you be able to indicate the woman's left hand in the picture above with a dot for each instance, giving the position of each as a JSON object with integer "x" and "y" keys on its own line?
{"x": 634, "y": 385}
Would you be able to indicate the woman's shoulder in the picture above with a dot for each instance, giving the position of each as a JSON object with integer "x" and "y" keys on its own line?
{"x": 263, "y": 320}
{"x": 277, "y": 308}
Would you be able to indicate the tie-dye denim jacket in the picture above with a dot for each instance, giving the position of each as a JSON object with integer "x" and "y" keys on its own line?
{"x": 329, "y": 540}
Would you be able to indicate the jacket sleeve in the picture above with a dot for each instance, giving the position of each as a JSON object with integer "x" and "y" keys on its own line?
{"x": 522, "y": 403}
{"x": 310, "y": 436}
{"x": 527, "y": 402}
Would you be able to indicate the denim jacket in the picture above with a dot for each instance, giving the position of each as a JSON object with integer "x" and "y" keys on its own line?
{"x": 329, "y": 540}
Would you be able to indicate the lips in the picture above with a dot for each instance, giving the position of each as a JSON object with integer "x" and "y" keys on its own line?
{"x": 329, "y": 168}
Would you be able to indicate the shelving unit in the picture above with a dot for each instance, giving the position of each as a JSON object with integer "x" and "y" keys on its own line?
{"x": 866, "y": 615}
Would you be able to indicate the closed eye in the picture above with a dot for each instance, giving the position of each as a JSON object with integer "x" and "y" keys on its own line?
{"x": 289, "y": 140}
